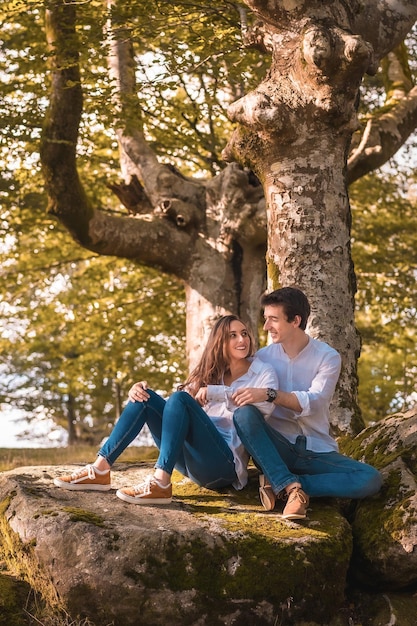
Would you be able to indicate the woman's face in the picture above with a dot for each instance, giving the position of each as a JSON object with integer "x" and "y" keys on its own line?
{"x": 239, "y": 342}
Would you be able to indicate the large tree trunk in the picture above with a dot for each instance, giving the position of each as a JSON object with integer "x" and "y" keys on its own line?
{"x": 294, "y": 131}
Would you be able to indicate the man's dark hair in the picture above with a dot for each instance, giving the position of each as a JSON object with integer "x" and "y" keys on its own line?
{"x": 293, "y": 301}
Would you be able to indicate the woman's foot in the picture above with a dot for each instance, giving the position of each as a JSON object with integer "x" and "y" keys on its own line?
{"x": 87, "y": 478}
{"x": 150, "y": 491}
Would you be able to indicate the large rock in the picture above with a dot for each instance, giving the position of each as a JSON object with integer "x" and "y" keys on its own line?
{"x": 210, "y": 559}
{"x": 385, "y": 527}
{"x": 206, "y": 559}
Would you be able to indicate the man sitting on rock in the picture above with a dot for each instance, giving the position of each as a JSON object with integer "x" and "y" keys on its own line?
{"x": 294, "y": 449}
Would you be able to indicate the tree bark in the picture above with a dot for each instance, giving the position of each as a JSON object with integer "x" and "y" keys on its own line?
{"x": 294, "y": 130}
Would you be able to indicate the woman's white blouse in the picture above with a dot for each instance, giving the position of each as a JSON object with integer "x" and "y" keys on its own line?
{"x": 220, "y": 410}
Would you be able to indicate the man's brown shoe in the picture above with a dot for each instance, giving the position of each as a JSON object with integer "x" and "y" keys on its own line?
{"x": 297, "y": 504}
{"x": 266, "y": 494}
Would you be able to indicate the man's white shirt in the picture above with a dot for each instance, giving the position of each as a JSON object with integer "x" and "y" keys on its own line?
{"x": 312, "y": 376}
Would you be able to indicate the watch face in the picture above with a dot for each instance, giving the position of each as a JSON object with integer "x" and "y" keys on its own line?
{"x": 271, "y": 394}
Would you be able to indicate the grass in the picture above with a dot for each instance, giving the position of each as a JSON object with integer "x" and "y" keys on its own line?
{"x": 11, "y": 458}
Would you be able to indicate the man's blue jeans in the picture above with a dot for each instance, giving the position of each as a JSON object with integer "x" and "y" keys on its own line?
{"x": 283, "y": 463}
{"x": 186, "y": 438}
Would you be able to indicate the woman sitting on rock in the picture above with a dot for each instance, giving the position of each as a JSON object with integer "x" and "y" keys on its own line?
{"x": 193, "y": 429}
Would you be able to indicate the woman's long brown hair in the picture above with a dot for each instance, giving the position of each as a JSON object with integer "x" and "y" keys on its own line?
{"x": 214, "y": 362}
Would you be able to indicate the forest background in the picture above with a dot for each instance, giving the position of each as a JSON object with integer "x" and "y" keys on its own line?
{"x": 78, "y": 328}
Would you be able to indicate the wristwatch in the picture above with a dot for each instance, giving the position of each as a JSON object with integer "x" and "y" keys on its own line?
{"x": 271, "y": 394}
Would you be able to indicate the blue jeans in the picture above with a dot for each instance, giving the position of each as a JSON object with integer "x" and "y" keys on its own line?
{"x": 186, "y": 438}
{"x": 283, "y": 463}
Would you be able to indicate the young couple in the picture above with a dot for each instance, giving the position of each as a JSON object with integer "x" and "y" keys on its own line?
{"x": 273, "y": 406}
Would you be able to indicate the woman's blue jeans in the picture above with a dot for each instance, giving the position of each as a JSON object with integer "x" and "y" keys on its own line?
{"x": 186, "y": 438}
{"x": 283, "y": 463}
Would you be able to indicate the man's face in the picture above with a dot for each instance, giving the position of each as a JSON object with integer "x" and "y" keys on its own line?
{"x": 277, "y": 325}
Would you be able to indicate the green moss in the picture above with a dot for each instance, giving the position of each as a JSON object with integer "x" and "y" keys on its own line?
{"x": 5, "y": 503}
{"x": 241, "y": 511}
{"x": 252, "y": 564}
{"x": 14, "y": 594}
{"x": 81, "y": 515}
{"x": 387, "y": 608}
{"x": 376, "y": 526}
{"x": 20, "y": 559}
{"x": 409, "y": 457}
{"x": 375, "y": 452}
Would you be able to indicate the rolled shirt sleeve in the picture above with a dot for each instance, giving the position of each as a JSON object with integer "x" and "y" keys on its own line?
{"x": 318, "y": 396}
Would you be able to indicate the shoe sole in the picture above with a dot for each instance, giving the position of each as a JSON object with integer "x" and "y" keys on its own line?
{"x": 80, "y": 487}
{"x": 293, "y": 516}
{"x": 265, "y": 498}
{"x": 136, "y": 500}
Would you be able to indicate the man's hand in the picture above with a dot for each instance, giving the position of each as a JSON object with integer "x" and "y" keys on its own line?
{"x": 249, "y": 395}
{"x": 138, "y": 392}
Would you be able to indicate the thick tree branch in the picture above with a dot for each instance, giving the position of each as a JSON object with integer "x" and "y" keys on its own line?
{"x": 383, "y": 136}
{"x": 384, "y": 23}
{"x": 210, "y": 234}
{"x": 132, "y": 196}
{"x": 163, "y": 186}
{"x": 151, "y": 238}
{"x": 60, "y": 132}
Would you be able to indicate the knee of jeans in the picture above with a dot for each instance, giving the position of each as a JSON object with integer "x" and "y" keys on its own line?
{"x": 177, "y": 396}
{"x": 375, "y": 482}
{"x": 246, "y": 415}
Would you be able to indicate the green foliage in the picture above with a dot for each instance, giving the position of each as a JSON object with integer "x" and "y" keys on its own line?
{"x": 385, "y": 256}
{"x": 77, "y": 325}
{"x": 85, "y": 326}
{"x": 191, "y": 65}
{"x": 200, "y": 67}
{"x": 82, "y": 326}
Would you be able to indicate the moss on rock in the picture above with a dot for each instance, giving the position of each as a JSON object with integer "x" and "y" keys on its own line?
{"x": 20, "y": 559}
{"x": 14, "y": 595}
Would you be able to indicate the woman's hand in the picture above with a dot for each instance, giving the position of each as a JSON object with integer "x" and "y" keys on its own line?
{"x": 138, "y": 392}
{"x": 201, "y": 396}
